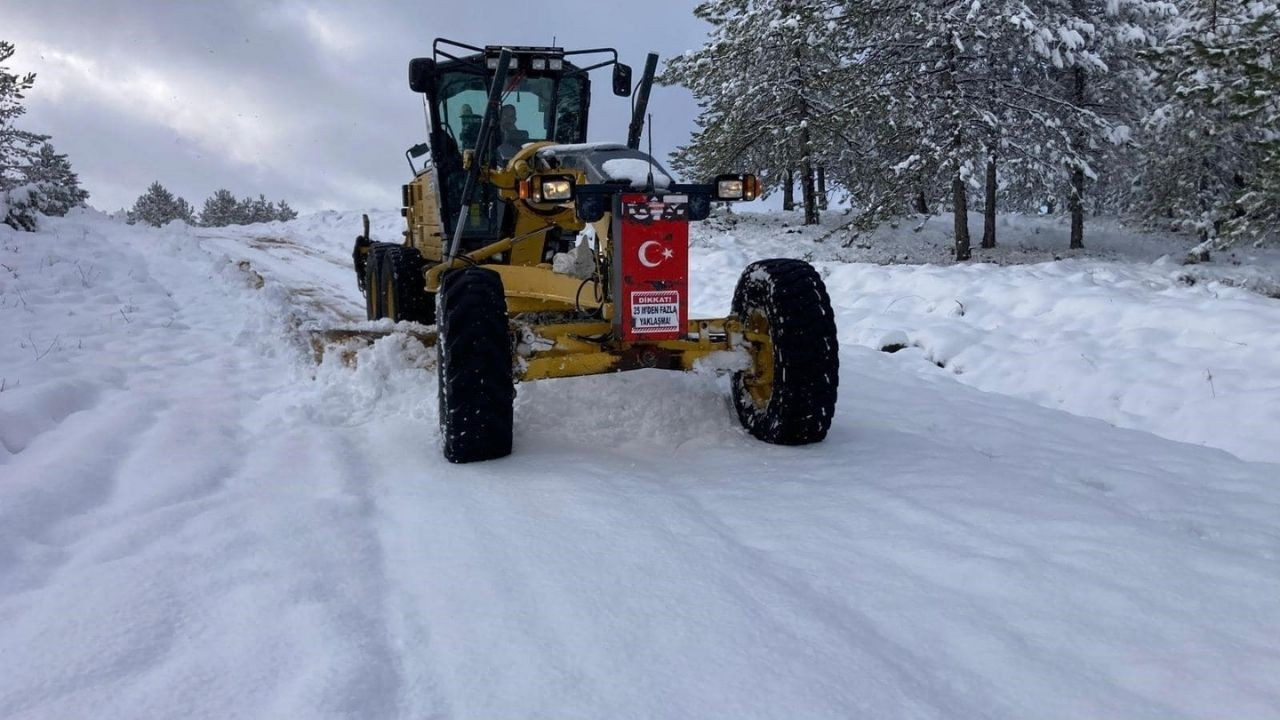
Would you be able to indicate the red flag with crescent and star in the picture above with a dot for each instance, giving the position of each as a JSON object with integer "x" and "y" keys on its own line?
{"x": 652, "y": 257}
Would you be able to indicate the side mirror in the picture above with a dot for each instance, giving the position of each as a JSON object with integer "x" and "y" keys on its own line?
{"x": 422, "y": 74}
{"x": 413, "y": 153}
{"x": 621, "y": 80}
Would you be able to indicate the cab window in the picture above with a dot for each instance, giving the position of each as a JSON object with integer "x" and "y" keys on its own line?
{"x": 571, "y": 108}
{"x": 462, "y": 103}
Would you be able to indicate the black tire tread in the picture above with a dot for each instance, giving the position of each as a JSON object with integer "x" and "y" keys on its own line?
{"x": 476, "y": 383}
{"x": 806, "y": 352}
{"x": 404, "y": 266}
{"x": 372, "y": 287}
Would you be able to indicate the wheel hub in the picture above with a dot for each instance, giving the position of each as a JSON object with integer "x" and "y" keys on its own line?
{"x": 389, "y": 299}
{"x": 759, "y": 381}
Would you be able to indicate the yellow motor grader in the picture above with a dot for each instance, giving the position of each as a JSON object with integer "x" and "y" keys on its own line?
{"x": 538, "y": 255}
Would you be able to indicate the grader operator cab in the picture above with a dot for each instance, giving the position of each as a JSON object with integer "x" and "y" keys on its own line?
{"x": 538, "y": 255}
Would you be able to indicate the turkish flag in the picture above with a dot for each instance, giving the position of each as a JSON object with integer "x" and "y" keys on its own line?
{"x": 651, "y": 263}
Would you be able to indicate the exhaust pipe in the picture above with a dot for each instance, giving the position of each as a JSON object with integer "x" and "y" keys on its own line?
{"x": 642, "y": 102}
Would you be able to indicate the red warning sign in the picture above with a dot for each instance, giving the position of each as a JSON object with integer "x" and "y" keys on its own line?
{"x": 651, "y": 263}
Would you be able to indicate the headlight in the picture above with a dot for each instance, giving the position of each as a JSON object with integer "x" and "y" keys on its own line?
{"x": 547, "y": 189}
{"x": 492, "y": 63}
{"x": 729, "y": 189}
{"x": 737, "y": 187}
{"x": 557, "y": 190}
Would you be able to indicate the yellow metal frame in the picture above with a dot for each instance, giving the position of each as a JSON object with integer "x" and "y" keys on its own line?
{"x": 588, "y": 348}
{"x": 759, "y": 382}
{"x": 531, "y": 288}
{"x": 571, "y": 348}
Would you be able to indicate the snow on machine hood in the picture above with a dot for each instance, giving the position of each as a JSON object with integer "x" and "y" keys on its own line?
{"x": 607, "y": 163}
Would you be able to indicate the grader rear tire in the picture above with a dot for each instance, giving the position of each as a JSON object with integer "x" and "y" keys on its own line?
{"x": 372, "y": 268}
{"x": 403, "y": 290}
{"x": 789, "y": 395}
{"x": 477, "y": 387}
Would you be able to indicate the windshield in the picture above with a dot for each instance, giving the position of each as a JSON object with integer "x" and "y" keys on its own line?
{"x": 533, "y": 109}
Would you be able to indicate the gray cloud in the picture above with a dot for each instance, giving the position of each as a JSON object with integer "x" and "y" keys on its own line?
{"x": 307, "y": 101}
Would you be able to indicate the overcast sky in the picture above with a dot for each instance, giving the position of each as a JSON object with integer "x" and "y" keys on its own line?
{"x": 307, "y": 101}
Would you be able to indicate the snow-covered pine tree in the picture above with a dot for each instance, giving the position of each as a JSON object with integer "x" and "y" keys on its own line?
{"x": 1003, "y": 64}
{"x": 943, "y": 85}
{"x": 929, "y": 88}
{"x": 764, "y": 82}
{"x": 1213, "y": 158}
{"x": 1095, "y": 48}
{"x": 184, "y": 211}
{"x": 219, "y": 209}
{"x": 19, "y": 199}
{"x": 17, "y": 147}
{"x": 244, "y": 212}
{"x": 157, "y": 206}
{"x": 284, "y": 213}
{"x": 59, "y": 186}
{"x": 263, "y": 210}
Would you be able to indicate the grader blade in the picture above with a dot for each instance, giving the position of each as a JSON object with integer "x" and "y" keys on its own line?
{"x": 344, "y": 343}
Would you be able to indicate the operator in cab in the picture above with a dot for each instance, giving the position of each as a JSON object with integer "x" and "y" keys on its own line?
{"x": 470, "y": 127}
{"x": 513, "y": 138}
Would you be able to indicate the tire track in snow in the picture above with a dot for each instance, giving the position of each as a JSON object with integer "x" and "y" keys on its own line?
{"x": 59, "y": 481}
{"x": 317, "y": 522}
{"x": 537, "y": 608}
{"x": 866, "y": 658}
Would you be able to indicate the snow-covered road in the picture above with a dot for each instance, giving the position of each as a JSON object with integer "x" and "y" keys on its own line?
{"x": 195, "y": 521}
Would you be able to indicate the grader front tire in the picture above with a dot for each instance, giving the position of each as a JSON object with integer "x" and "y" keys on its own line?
{"x": 477, "y": 387}
{"x": 788, "y": 397}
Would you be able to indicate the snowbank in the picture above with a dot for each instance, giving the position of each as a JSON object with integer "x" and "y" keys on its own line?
{"x": 1133, "y": 345}
{"x": 1137, "y": 340}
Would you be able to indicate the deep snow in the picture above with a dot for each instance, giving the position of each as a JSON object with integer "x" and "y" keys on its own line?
{"x": 1122, "y": 332}
{"x": 196, "y": 520}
